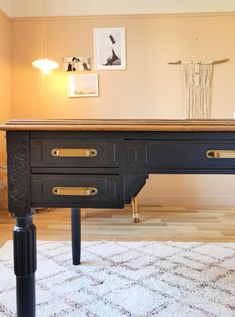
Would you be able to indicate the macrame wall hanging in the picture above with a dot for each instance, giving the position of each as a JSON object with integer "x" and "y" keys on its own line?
{"x": 197, "y": 77}
{"x": 197, "y": 82}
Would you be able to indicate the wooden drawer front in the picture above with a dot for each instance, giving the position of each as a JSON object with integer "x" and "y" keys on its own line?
{"x": 79, "y": 190}
{"x": 74, "y": 153}
{"x": 179, "y": 154}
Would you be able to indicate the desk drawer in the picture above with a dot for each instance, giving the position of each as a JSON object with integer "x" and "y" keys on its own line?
{"x": 180, "y": 154}
{"x": 75, "y": 190}
{"x": 74, "y": 153}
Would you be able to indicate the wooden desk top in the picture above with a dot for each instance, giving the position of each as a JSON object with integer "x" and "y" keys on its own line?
{"x": 118, "y": 125}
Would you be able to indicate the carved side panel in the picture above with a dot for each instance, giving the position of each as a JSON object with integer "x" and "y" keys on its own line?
{"x": 18, "y": 166}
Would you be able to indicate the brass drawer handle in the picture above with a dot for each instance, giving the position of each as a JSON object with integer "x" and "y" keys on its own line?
{"x": 220, "y": 154}
{"x": 74, "y": 152}
{"x": 75, "y": 191}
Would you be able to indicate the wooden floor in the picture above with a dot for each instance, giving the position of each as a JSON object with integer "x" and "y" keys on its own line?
{"x": 156, "y": 223}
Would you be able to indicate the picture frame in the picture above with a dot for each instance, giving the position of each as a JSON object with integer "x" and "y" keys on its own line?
{"x": 83, "y": 85}
{"x": 76, "y": 63}
{"x": 109, "y": 48}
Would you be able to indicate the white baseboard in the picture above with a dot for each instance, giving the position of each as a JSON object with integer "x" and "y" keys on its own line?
{"x": 184, "y": 200}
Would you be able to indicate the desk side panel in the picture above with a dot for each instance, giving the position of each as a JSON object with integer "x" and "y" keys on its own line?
{"x": 18, "y": 165}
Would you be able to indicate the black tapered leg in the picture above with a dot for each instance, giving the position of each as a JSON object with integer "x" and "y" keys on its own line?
{"x": 25, "y": 264}
{"x": 76, "y": 235}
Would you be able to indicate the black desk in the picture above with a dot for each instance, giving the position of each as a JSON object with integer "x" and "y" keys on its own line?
{"x": 98, "y": 164}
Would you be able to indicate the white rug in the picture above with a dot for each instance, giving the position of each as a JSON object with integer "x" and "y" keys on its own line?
{"x": 128, "y": 279}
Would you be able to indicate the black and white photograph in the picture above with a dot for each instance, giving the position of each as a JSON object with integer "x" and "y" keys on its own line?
{"x": 83, "y": 85}
{"x": 109, "y": 48}
{"x": 76, "y": 64}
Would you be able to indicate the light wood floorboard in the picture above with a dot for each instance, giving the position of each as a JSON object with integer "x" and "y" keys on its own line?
{"x": 215, "y": 224}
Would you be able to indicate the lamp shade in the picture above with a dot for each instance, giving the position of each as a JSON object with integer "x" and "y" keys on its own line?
{"x": 46, "y": 65}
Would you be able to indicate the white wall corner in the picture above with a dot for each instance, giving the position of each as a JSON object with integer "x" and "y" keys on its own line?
{"x": 29, "y": 8}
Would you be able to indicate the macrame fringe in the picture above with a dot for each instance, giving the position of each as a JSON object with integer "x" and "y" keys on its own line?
{"x": 197, "y": 82}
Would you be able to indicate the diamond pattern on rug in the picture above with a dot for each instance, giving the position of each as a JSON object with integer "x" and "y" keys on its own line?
{"x": 128, "y": 279}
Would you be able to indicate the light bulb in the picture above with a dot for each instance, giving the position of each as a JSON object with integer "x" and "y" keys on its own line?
{"x": 46, "y": 65}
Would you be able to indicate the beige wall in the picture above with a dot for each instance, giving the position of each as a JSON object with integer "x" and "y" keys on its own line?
{"x": 5, "y": 79}
{"x": 149, "y": 88}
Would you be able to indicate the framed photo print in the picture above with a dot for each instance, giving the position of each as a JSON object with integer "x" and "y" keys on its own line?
{"x": 76, "y": 63}
{"x": 109, "y": 48}
{"x": 83, "y": 85}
